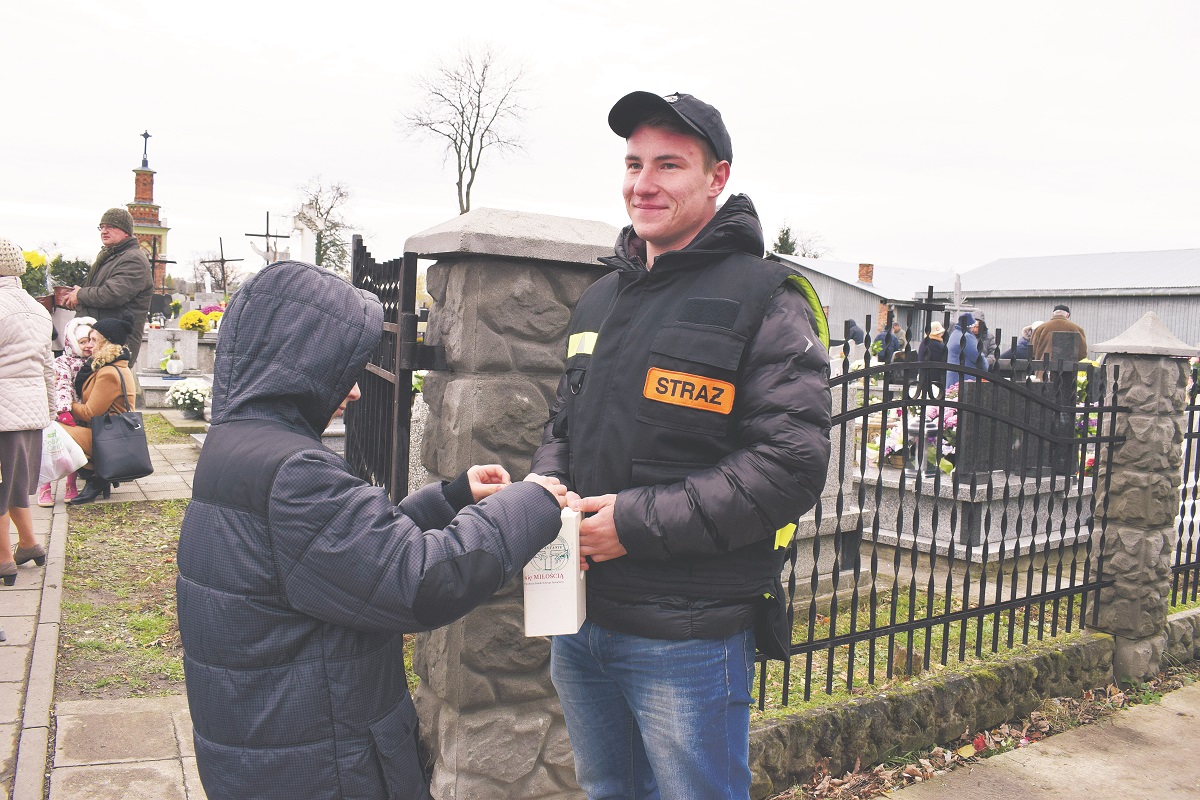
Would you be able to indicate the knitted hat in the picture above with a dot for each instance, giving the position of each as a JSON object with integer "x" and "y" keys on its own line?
{"x": 1061, "y": 307}
{"x": 75, "y": 330}
{"x": 12, "y": 260}
{"x": 119, "y": 218}
{"x": 114, "y": 330}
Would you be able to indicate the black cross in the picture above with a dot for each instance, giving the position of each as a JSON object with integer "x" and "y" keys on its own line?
{"x": 155, "y": 261}
{"x": 268, "y": 236}
{"x": 223, "y": 261}
{"x": 145, "y": 146}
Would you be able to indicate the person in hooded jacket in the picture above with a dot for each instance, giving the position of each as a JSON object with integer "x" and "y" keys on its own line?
{"x": 693, "y": 419}
{"x": 962, "y": 350}
{"x": 297, "y": 579}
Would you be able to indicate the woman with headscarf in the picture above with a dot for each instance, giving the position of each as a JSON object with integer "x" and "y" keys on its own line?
{"x": 26, "y": 405}
{"x": 962, "y": 350}
{"x": 66, "y": 367}
{"x": 986, "y": 343}
{"x": 99, "y": 384}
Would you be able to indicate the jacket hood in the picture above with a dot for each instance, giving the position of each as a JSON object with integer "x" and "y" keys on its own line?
{"x": 293, "y": 341}
{"x": 733, "y": 229}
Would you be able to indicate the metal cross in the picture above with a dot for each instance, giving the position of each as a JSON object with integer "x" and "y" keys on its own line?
{"x": 268, "y": 236}
{"x": 223, "y": 261}
{"x": 145, "y": 146}
{"x": 155, "y": 261}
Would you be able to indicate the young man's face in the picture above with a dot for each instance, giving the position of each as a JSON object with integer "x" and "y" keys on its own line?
{"x": 668, "y": 193}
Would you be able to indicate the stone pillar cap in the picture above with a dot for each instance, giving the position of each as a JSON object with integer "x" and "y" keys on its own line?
{"x": 1148, "y": 336}
{"x": 517, "y": 234}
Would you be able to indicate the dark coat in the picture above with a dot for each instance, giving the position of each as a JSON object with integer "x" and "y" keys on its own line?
{"x": 700, "y": 493}
{"x": 932, "y": 350}
{"x": 297, "y": 579}
{"x": 119, "y": 283}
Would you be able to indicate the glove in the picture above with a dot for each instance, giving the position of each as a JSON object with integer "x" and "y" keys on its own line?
{"x": 65, "y": 418}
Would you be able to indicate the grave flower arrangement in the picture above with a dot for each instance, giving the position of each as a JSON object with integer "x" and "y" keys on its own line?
{"x": 175, "y": 306}
{"x": 190, "y": 394}
{"x": 194, "y": 321}
{"x": 943, "y": 421}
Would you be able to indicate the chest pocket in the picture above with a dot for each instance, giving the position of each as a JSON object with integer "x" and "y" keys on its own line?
{"x": 689, "y": 383}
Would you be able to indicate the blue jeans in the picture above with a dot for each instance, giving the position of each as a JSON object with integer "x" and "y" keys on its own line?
{"x": 656, "y": 718}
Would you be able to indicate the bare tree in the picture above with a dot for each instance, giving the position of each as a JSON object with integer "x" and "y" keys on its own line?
{"x": 320, "y": 210}
{"x": 470, "y": 102}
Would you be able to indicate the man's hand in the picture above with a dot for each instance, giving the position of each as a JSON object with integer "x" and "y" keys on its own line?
{"x": 598, "y": 533}
{"x": 552, "y": 485}
{"x": 486, "y": 480}
{"x": 72, "y": 299}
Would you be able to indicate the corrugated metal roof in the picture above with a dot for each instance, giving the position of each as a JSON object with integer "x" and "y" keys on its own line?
{"x": 1156, "y": 268}
{"x": 889, "y": 283}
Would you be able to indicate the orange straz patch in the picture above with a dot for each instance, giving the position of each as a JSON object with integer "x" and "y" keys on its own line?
{"x": 692, "y": 391}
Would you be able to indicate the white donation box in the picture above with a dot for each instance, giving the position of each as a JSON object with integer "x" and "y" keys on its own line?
{"x": 555, "y": 601}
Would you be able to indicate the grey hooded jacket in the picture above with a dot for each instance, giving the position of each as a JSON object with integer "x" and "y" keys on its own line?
{"x": 297, "y": 579}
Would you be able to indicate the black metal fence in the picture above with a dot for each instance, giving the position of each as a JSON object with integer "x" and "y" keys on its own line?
{"x": 1185, "y": 569}
{"x": 377, "y": 426}
{"x": 964, "y": 520}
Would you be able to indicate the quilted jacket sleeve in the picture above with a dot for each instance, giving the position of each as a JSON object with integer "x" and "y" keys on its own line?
{"x": 783, "y": 423}
{"x": 348, "y": 556}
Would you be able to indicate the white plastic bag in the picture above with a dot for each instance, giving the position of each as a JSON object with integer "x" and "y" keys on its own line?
{"x": 60, "y": 454}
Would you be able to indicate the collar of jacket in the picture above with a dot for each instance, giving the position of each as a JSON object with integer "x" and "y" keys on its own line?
{"x": 735, "y": 228}
{"x": 108, "y": 252}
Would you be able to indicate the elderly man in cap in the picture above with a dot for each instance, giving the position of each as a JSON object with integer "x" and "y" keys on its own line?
{"x": 693, "y": 417}
{"x": 120, "y": 282}
{"x": 1060, "y": 321}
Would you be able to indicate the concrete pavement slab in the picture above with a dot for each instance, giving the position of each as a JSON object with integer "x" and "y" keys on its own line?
{"x": 114, "y": 737}
{"x": 1143, "y": 753}
{"x": 30, "y": 783}
{"x": 19, "y": 630}
{"x": 147, "y": 780}
{"x": 23, "y": 598}
{"x": 11, "y": 697}
{"x": 14, "y": 660}
{"x": 9, "y": 737}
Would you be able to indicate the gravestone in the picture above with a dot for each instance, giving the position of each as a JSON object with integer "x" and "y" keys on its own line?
{"x": 204, "y": 299}
{"x": 158, "y": 340}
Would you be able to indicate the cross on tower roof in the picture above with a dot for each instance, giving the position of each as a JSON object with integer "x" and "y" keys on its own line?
{"x": 145, "y": 147}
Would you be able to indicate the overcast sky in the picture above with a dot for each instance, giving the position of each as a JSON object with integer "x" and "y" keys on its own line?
{"x": 936, "y": 135}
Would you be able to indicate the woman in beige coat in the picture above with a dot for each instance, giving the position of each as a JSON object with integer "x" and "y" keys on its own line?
{"x": 26, "y": 405}
{"x": 101, "y": 379}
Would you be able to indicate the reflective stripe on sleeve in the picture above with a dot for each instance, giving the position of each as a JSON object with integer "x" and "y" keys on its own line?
{"x": 582, "y": 343}
{"x": 783, "y": 536}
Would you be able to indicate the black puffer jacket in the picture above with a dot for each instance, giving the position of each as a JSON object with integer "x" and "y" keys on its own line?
{"x": 701, "y": 491}
{"x": 297, "y": 578}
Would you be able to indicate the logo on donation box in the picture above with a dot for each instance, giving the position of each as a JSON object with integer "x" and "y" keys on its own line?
{"x": 553, "y": 557}
{"x": 554, "y": 584}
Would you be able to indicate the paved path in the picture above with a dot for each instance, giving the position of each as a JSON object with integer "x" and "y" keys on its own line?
{"x": 119, "y": 749}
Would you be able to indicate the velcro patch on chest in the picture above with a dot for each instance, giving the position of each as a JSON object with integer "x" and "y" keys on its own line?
{"x": 690, "y": 391}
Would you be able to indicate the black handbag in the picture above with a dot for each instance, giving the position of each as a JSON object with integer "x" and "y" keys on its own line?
{"x": 119, "y": 449}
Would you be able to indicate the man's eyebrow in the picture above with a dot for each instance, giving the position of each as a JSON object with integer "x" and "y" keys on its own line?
{"x": 665, "y": 157}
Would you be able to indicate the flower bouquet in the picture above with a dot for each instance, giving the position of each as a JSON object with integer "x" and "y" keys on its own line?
{"x": 189, "y": 396}
{"x": 194, "y": 321}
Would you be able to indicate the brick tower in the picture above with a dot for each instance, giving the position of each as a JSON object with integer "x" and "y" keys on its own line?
{"x": 147, "y": 226}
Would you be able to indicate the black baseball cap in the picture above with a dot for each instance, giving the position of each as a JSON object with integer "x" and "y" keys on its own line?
{"x": 632, "y": 109}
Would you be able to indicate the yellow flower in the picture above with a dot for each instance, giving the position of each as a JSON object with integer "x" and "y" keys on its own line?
{"x": 194, "y": 321}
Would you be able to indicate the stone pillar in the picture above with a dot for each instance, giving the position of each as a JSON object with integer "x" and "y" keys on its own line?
{"x": 503, "y": 287}
{"x": 1142, "y": 494}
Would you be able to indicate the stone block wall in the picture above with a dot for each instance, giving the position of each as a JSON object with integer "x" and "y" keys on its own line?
{"x": 503, "y": 288}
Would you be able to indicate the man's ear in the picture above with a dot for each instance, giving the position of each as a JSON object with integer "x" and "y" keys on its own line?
{"x": 720, "y": 177}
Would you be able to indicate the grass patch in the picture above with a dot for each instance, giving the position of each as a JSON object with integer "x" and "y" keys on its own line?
{"x": 876, "y": 664}
{"x": 159, "y": 431}
{"x": 119, "y": 635}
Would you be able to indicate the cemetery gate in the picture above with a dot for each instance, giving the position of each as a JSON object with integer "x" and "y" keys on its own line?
{"x": 954, "y": 522}
{"x": 379, "y": 425}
